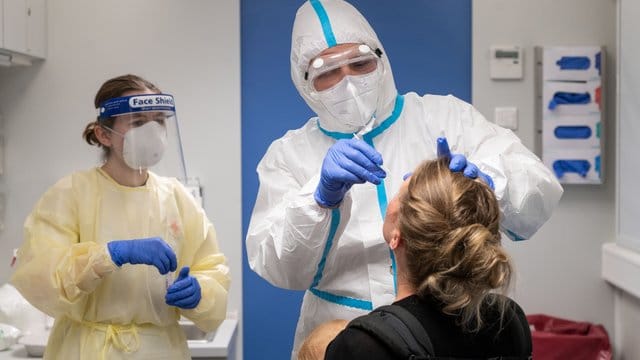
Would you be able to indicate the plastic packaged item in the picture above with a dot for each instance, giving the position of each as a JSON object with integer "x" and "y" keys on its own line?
{"x": 575, "y": 165}
{"x": 8, "y": 336}
{"x": 572, "y": 132}
{"x": 169, "y": 278}
{"x": 35, "y": 343}
{"x": 579, "y": 166}
{"x": 16, "y": 311}
{"x": 574, "y": 63}
{"x": 569, "y": 98}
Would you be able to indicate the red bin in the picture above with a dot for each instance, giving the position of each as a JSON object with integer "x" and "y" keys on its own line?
{"x": 560, "y": 339}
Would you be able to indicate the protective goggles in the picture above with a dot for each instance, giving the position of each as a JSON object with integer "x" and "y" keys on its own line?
{"x": 325, "y": 71}
{"x": 156, "y": 105}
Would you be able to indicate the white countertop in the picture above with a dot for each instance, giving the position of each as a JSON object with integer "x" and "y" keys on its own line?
{"x": 222, "y": 344}
{"x": 17, "y": 351}
{"x": 220, "y": 347}
{"x": 621, "y": 267}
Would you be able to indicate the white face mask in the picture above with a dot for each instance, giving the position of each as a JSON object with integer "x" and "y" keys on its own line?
{"x": 144, "y": 146}
{"x": 352, "y": 102}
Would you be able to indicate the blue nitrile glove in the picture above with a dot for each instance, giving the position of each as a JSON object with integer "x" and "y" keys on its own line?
{"x": 347, "y": 162}
{"x": 150, "y": 251}
{"x": 184, "y": 292}
{"x": 569, "y": 98}
{"x": 459, "y": 163}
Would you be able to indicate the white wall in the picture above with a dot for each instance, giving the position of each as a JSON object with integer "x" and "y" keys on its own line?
{"x": 629, "y": 71}
{"x": 559, "y": 268}
{"x": 190, "y": 49}
{"x": 627, "y": 308}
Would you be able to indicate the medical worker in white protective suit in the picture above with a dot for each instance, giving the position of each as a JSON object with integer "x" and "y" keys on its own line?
{"x": 317, "y": 221}
{"x": 118, "y": 253}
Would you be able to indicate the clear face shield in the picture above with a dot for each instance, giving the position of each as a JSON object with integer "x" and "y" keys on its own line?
{"x": 147, "y": 128}
{"x": 347, "y": 81}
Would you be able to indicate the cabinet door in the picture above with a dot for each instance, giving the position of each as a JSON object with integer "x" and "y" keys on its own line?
{"x": 36, "y": 28}
{"x": 1, "y": 24}
{"x": 15, "y": 25}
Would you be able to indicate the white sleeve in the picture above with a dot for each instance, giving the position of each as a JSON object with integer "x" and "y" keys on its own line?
{"x": 526, "y": 189}
{"x": 288, "y": 229}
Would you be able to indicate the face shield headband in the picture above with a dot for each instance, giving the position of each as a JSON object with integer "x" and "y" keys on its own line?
{"x": 137, "y": 103}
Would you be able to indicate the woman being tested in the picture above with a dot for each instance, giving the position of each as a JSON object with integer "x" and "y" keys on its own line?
{"x": 118, "y": 253}
{"x": 444, "y": 231}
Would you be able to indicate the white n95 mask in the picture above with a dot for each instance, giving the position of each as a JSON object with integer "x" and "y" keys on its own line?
{"x": 144, "y": 146}
{"x": 352, "y": 102}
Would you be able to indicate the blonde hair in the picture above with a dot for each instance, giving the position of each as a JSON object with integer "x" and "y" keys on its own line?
{"x": 315, "y": 345}
{"x": 450, "y": 226}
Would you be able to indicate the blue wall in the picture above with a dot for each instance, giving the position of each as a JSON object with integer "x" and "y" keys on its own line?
{"x": 429, "y": 45}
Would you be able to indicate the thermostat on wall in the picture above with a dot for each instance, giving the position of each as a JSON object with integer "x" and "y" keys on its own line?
{"x": 506, "y": 62}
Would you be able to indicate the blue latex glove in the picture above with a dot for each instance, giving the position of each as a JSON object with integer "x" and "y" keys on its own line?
{"x": 459, "y": 163}
{"x": 347, "y": 162}
{"x": 150, "y": 251}
{"x": 184, "y": 292}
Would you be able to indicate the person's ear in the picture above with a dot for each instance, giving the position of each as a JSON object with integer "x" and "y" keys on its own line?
{"x": 396, "y": 239}
{"x": 103, "y": 135}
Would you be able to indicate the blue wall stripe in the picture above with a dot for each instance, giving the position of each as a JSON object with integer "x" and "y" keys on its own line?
{"x": 324, "y": 21}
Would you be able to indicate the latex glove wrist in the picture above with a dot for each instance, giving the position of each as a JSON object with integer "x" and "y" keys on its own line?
{"x": 328, "y": 198}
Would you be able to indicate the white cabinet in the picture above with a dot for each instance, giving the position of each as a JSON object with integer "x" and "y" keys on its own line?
{"x": 15, "y": 25}
{"x": 24, "y": 27}
{"x": 1, "y": 24}
{"x": 36, "y": 28}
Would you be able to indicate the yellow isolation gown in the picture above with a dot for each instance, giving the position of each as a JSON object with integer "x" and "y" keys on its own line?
{"x": 106, "y": 312}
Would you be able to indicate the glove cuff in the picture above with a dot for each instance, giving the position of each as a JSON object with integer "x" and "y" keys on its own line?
{"x": 113, "y": 251}
{"x": 331, "y": 200}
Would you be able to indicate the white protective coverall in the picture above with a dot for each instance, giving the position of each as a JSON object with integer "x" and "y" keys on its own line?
{"x": 339, "y": 255}
{"x": 106, "y": 312}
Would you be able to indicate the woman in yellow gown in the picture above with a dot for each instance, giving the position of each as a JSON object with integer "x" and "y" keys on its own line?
{"x": 118, "y": 253}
